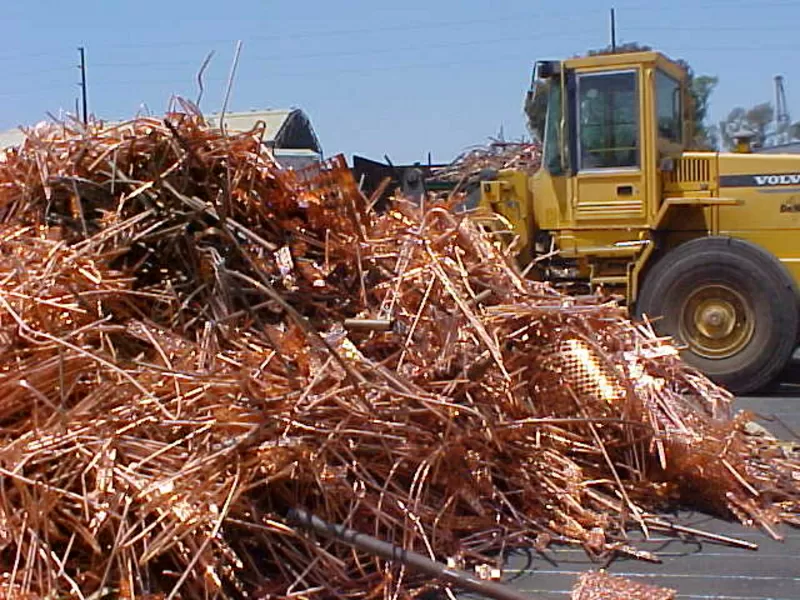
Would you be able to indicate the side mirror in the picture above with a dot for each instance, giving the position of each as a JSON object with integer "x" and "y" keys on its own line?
{"x": 546, "y": 69}
{"x": 536, "y": 106}
{"x": 538, "y": 86}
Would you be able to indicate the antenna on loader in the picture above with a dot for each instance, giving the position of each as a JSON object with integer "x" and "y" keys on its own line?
{"x": 84, "y": 92}
{"x": 613, "y": 31}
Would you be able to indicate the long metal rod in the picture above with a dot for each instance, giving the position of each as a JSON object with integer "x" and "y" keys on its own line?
{"x": 229, "y": 87}
{"x": 715, "y": 537}
{"x": 410, "y": 559}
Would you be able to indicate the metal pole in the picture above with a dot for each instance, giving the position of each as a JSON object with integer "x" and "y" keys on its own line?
{"x": 83, "y": 86}
{"x": 368, "y": 324}
{"x": 230, "y": 85}
{"x": 613, "y": 31}
{"x": 412, "y": 560}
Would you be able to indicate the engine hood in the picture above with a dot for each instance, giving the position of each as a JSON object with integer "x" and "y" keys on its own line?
{"x": 759, "y": 170}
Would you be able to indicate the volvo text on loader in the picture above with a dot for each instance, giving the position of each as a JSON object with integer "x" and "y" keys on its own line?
{"x": 706, "y": 244}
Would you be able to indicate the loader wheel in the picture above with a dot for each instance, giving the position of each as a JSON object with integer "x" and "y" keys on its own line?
{"x": 731, "y": 303}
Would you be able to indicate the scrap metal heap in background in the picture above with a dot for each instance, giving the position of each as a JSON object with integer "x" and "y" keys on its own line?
{"x": 497, "y": 155}
{"x": 196, "y": 341}
{"x": 463, "y": 174}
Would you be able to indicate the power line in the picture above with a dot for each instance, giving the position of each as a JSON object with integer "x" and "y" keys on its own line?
{"x": 383, "y": 66}
{"x": 493, "y": 59}
{"x": 360, "y": 52}
{"x": 450, "y": 23}
{"x": 283, "y": 58}
{"x": 33, "y": 92}
{"x": 18, "y": 56}
{"x": 27, "y": 73}
{"x": 537, "y": 16}
{"x": 637, "y": 32}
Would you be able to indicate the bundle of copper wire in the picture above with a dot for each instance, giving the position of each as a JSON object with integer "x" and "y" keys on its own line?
{"x": 195, "y": 341}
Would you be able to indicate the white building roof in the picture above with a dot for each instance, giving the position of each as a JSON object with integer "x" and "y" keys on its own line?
{"x": 12, "y": 137}
{"x": 273, "y": 120}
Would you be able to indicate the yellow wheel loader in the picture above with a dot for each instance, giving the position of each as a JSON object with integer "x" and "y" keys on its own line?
{"x": 705, "y": 244}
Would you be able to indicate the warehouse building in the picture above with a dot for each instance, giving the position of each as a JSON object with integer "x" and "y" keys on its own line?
{"x": 790, "y": 148}
{"x": 288, "y": 133}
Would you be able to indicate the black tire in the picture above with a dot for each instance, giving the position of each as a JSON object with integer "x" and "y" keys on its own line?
{"x": 695, "y": 289}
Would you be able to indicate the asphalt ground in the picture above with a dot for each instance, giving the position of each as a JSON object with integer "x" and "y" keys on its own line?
{"x": 697, "y": 569}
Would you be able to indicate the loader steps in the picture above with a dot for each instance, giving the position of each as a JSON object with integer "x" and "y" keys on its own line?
{"x": 626, "y": 251}
{"x": 610, "y": 280}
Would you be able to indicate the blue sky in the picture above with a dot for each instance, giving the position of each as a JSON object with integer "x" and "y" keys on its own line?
{"x": 399, "y": 78}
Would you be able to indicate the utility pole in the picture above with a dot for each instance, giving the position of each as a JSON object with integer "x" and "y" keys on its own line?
{"x": 613, "y": 31}
{"x": 84, "y": 93}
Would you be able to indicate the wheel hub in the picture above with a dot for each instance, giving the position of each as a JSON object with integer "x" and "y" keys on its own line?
{"x": 716, "y": 321}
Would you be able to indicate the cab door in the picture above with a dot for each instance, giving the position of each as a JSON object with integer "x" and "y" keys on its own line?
{"x": 610, "y": 182}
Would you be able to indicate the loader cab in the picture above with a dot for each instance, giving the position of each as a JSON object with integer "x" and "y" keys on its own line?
{"x": 611, "y": 121}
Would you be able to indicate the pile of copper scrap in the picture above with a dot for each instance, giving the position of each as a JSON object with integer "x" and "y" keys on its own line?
{"x": 599, "y": 585}
{"x": 475, "y": 162}
{"x": 196, "y": 341}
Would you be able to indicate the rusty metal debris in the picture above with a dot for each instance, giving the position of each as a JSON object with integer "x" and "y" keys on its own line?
{"x": 185, "y": 359}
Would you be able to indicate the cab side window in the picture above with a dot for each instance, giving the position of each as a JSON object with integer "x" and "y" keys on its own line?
{"x": 608, "y": 120}
{"x": 552, "y": 134}
{"x": 668, "y": 107}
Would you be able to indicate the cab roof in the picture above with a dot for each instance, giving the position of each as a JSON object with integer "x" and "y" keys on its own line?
{"x": 627, "y": 59}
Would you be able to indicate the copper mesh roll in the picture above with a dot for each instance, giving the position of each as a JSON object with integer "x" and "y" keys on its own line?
{"x": 599, "y": 585}
{"x": 582, "y": 369}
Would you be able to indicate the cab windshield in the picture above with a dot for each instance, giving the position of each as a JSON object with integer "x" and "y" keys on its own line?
{"x": 608, "y": 120}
